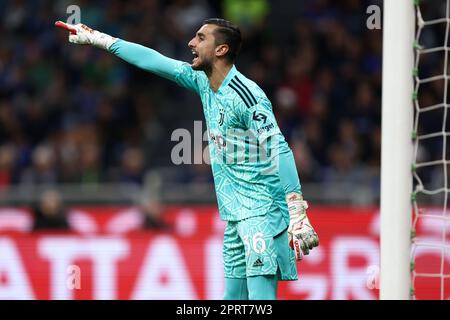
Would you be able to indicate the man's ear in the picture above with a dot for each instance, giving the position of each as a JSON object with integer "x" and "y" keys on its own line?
{"x": 222, "y": 50}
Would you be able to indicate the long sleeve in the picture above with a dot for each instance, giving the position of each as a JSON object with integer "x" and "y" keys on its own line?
{"x": 154, "y": 62}
{"x": 288, "y": 173}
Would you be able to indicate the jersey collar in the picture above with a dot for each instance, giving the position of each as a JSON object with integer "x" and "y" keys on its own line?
{"x": 228, "y": 78}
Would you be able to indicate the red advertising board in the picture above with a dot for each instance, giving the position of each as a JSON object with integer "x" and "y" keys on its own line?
{"x": 109, "y": 256}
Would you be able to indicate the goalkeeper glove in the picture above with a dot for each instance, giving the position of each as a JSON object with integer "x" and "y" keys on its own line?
{"x": 82, "y": 34}
{"x": 302, "y": 236}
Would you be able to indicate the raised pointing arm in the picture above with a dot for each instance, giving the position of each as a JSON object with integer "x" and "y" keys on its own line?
{"x": 135, "y": 54}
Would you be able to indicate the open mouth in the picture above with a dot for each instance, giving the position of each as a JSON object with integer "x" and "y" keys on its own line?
{"x": 195, "y": 54}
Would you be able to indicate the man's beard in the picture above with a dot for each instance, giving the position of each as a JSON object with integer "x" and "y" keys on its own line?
{"x": 205, "y": 65}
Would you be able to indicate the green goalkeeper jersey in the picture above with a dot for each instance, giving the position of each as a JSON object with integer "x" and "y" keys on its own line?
{"x": 245, "y": 142}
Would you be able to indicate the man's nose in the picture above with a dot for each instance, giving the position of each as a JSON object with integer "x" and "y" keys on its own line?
{"x": 191, "y": 44}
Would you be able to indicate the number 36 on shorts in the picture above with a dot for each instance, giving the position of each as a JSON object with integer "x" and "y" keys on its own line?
{"x": 256, "y": 243}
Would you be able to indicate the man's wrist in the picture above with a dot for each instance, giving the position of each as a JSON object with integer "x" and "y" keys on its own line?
{"x": 103, "y": 40}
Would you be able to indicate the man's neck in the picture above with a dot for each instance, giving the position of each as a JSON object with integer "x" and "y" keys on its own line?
{"x": 217, "y": 74}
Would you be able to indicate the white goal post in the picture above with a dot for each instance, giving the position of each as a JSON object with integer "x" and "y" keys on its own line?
{"x": 397, "y": 148}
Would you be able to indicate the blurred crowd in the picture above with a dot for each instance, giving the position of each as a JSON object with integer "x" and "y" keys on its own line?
{"x": 81, "y": 115}
{"x": 51, "y": 212}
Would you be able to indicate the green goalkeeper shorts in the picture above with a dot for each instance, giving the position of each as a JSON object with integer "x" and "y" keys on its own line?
{"x": 249, "y": 250}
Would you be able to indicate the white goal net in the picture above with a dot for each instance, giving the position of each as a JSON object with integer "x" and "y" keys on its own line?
{"x": 430, "y": 253}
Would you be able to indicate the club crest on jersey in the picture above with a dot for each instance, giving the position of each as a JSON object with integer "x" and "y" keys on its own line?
{"x": 222, "y": 116}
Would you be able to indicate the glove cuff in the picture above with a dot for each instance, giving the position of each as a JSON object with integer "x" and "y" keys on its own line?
{"x": 102, "y": 40}
{"x": 297, "y": 207}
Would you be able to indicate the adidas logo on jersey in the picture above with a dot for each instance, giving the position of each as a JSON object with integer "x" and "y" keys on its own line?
{"x": 258, "y": 263}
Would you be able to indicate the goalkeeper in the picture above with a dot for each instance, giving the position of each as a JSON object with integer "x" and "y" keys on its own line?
{"x": 259, "y": 196}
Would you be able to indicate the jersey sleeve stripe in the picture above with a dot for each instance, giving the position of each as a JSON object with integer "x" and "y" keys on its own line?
{"x": 243, "y": 92}
{"x": 245, "y": 87}
{"x": 240, "y": 94}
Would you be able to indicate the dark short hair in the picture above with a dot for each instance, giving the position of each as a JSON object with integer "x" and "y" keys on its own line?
{"x": 227, "y": 33}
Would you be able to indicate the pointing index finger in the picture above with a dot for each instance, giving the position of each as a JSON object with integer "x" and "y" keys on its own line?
{"x": 66, "y": 26}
